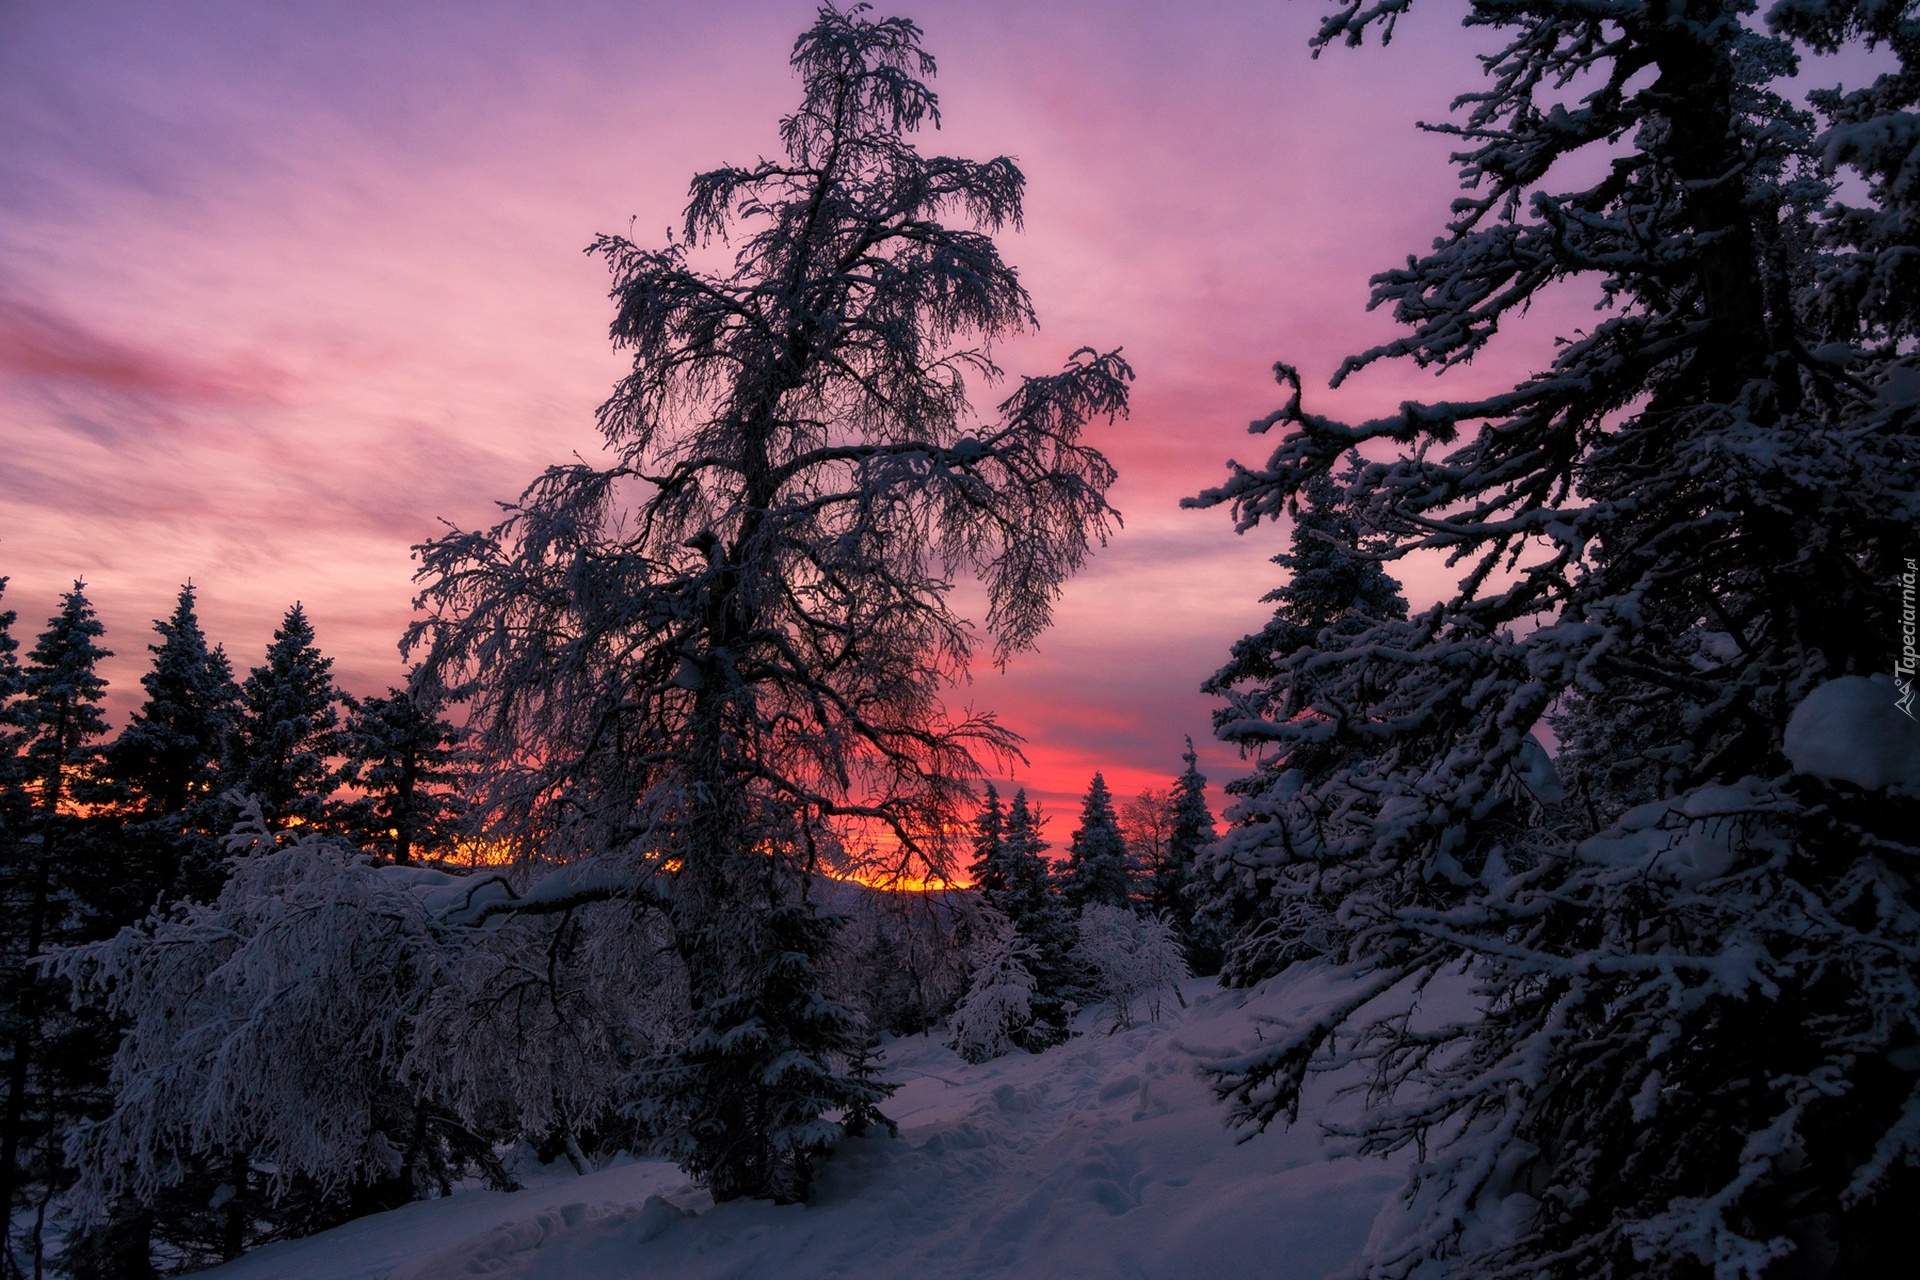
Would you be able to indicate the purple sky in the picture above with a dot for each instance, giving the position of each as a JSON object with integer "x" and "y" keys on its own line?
{"x": 282, "y": 287}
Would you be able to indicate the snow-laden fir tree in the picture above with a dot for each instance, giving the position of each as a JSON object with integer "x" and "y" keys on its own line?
{"x": 1266, "y": 908}
{"x": 1692, "y": 1046}
{"x": 991, "y": 872}
{"x": 1044, "y": 923}
{"x": 288, "y": 741}
{"x": 1017, "y": 887}
{"x": 1177, "y": 891}
{"x": 1099, "y": 867}
{"x": 412, "y": 767}
{"x": 168, "y": 757}
{"x": 723, "y": 652}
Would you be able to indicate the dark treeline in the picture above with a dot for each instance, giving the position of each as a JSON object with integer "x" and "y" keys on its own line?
{"x": 99, "y": 830}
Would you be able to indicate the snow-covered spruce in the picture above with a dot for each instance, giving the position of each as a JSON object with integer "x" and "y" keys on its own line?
{"x": 1694, "y": 1048}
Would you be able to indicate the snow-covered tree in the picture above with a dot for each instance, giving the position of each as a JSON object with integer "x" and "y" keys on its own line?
{"x": 413, "y": 769}
{"x": 12, "y": 721}
{"x": 996, "y": 1015}
{"x": 1033, "y": 905}
{"x": 1178, "y": 891}
{"x": 333, "y": 1023}
{"x": 1132, "y": 958}
{"x": 1099, "y": 868}
{"x": 1264, "y": 909}
{"x": 1691, "y": 1049}
{"x": 990, "y": 871}
{"x": 288, "y": 740}
{"x": 727, "y": 648}
{"x": 169, "y": 754}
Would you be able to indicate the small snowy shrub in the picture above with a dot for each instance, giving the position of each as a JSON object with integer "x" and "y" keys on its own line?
{"x": 998, "y": 1006}
{"x": 342, "y": 1022}
{"x": 1131, "y": 957}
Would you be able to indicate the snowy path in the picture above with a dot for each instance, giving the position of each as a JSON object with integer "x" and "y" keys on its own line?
{"x": 1104, "y": 1157}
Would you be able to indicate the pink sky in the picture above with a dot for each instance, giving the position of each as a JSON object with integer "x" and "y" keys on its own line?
{"x": 281, "y": 290}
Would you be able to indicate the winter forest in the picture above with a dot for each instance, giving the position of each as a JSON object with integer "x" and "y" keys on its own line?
{"x": 1538, "y": 895}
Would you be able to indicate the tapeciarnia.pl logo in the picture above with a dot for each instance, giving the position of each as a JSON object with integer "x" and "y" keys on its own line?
{"x": 1903, "y": 667}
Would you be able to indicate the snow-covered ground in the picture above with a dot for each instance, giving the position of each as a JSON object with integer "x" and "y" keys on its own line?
{"x": 1104, "y": 1157}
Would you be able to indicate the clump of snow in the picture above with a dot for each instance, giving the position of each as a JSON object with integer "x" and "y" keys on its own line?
{"x": 1104, "y": 1156}
{"x": 1536, "y": 772}
{"x": 1852, "y": 730}
{"x": 1689, "y": 839}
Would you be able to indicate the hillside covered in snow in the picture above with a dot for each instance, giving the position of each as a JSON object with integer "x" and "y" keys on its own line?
{"x": 1106, "y": 1156}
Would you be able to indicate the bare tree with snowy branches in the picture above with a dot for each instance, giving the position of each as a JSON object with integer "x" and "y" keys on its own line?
{"x": 726, "y": 650}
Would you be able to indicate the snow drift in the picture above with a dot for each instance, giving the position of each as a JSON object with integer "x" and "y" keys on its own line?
{"x": 1103, "y": 1157}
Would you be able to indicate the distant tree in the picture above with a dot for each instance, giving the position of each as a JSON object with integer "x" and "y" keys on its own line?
{"x": 996, "y": 1015}
{"x": 1146, "y": 821}
{"x": 16, "y": 805}
{"x": 168, "y": 756}
{"x": 414, "y": 768}
{"x": 991, "y": 873}
{"x": 1041, "y": 940}
{"x": 1178, "y": 893}
{"x": 1098, "y": 868}
{"x": 715, "y": 655}
{"x": 289, "y": 737}
{"x": 1130, "y": 958}
{"x": 12, "y": 709}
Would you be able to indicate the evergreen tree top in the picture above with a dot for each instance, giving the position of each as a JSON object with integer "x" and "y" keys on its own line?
{"x": 1024, "y": 825}
{"x": 62, "y": 691}
{"x": 289, "y": 730}
{"x": 1099, "y": 868}
{"x": 1192, "y": 819}
{"x": 60, "y": 675}
{"x": 169, "y": 751}
{"x": 10, "y": 677}
{"x": 12, "y": 710}
{"x": 296, "y": 678}
{"x": 989, "y": 844}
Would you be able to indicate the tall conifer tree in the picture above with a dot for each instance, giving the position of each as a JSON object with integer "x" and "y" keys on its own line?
{"x": 1099, "y": 867}
{"x": 169, "y": 754}
{"x": 1177, "y": 892}
{"x": 1043, "y": 925}
{"x": 290, "y": 737}
{"x": 989, "y": 866}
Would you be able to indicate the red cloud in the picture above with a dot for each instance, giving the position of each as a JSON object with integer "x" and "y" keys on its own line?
{"x": 36, "y": 344}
